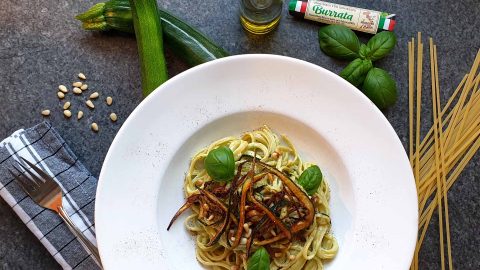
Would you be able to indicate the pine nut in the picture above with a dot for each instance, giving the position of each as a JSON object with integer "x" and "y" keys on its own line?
{"x": 94, "y": 127}
{"x": 109, "y": 101}
{"x": 66, "y": 105}
{"x": 243, "y": 241}
{"x": 77, "y": 84}
{"x": 79, "y": 115}
{"x": 113, "y": 117}
{"x": 94, "y": 95}
{"x": 291, "y": 257}
{"x": 77, "y": 91}
{"x": 90, "y": 104}
{"x": 63, "y": 88}
{"x": 60, "y": 95}
{"x": 67, "y": 113}
{"x": 46, "y": 112}
{"x": 84, "y": 87}
{"x": 82, "y": 76}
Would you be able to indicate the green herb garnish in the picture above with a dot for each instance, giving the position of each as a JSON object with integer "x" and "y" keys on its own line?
{"x": 260, "y": 260}
{"x": 220, "y": 164}
{"x": 380, "y": 45}
{"x": 364, "y": 51}
{"x": 380, "y": 88}
{"x": 338, "y": 43}
{"x": 310, "y": 179}
{"x": 356, "y": 71}
{"x": 341, "y": 42}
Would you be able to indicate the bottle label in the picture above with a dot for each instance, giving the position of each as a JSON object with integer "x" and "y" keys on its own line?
{"x": 354, "y": 18}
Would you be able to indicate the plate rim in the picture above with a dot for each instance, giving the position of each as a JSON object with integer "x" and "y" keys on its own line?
{"x": 140, "y": 107}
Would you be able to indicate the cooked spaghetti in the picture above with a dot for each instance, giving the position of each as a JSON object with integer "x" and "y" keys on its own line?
{"x": 264, "y": 205}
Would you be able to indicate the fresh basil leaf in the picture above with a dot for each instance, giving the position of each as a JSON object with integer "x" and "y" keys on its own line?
{"x": 380, "y": 88}
{"x": 364, "y": 51}
{"x": 381, "y": 44}
{"x": 310, "y": 179}
{"x": 220, "y": 164}
{"x": 260, "y": 260}
{"x": 339, "y": 41}
{"x": 356, "y": 71}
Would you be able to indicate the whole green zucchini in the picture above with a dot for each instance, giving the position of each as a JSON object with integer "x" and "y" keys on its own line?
{"x": 148, "y": 31}
{"x": 184, "y": 40}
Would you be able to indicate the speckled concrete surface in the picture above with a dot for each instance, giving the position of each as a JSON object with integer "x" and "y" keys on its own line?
{"x": 41, "y": 46}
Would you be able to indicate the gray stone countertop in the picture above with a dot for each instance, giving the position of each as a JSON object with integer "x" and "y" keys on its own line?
{"x": 42, "y": 46}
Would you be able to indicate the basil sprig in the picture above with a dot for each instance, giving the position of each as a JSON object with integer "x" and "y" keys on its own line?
{"x": 341, "y": 42}
{"x": 380, "y": 45}
{"x": 310, "y": 179}
{"x": 220, "y": 164}
{"x": 260, "y": 260}
{"x": 364, "y": 51}
{"x": 356, "y": 71}
{"x": 380, "y": 88}
{"x": 336, "y": 42}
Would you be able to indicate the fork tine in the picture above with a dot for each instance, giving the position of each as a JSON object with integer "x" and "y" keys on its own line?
{"x": 29, "y": 175}
{"x": 26, "y": 187}
{"x": 21, "y": 176}
{"x": 40, "y": 172}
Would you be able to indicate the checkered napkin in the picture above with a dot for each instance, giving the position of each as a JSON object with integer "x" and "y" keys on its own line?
{"x": 43, "y": 146}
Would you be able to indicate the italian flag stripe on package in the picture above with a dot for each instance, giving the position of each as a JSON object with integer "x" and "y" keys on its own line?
{"x": 385, "y": 22}
{"x": 364, "y": 20}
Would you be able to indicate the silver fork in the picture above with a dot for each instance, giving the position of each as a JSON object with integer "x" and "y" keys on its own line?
{"x": 48, "y": 194}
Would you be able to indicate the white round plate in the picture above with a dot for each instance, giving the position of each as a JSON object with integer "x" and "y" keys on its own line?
{"x": 373, "y": 196}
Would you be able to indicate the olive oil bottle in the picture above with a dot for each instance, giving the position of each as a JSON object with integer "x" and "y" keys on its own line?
{"x": 260, "y": 16}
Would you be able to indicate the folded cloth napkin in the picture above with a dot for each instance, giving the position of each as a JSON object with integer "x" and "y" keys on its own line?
{"x": 43, "y": 146}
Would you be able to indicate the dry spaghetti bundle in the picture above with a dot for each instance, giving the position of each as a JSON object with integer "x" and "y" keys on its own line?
{"x": 438, "y": 159}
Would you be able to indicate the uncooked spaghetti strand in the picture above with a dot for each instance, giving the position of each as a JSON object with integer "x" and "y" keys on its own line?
{"x": 428, "y": 138}
{"x": 448, "y": 120}
{"x": 411, "y": 71}
{"x": 424, "y": 219}
{"x": 432, "y": 186}
{"x": 472, "y": 73}
{"x": 427, "y": 184}
{"x": 425, "y": 195}
{"x": 430, "y": 170}
{"x": 426, "y": 158}
{"x": 419, "y": 103}
{"x": 442, "y": 161}
{"x": 427, "y": 214}
{"x": 452, "y": 150}
{"x": 459, "y": 146}
{"x": 411, "y": 88}
{"x": 475, "y": 110}
{"x": 470, "y": 136}
{"x": 437, "y": 157}
{"x": 444, "y": 153}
